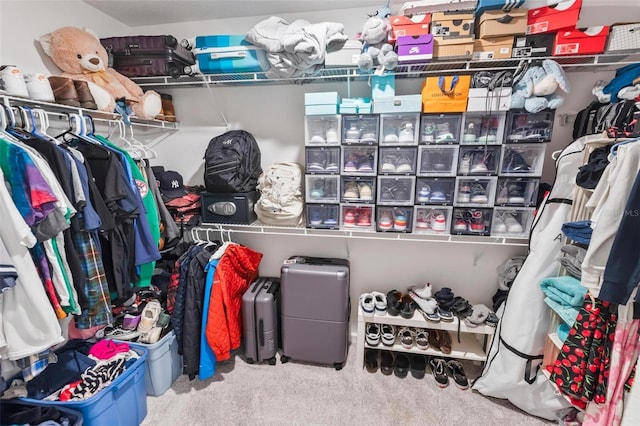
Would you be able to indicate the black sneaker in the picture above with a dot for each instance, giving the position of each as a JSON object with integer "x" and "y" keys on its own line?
{"x": 386, "y": 362}
{"x": 401, "y": 365}
{"x": 418, "y": 364}
{"x": 457, "y": 373}
{"x": 439, "y": 370}
{"x": 371, "y": 360}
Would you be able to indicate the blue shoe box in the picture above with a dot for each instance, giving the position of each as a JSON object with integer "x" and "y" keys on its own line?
{"x": 404, "y": 103}
{"x": 321, "y": 103}
{"x": 355, "y": 106}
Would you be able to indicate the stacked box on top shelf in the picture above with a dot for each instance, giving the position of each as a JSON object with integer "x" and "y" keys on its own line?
{"x": 321, "y": 103}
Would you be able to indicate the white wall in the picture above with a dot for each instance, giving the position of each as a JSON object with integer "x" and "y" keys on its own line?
{"x": 275, "y": 115}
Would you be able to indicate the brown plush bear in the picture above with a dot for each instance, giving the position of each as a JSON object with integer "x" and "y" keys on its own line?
{"x": 78, "y": 53}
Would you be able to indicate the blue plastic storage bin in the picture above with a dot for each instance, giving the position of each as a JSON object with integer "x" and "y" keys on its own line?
{"x": 122, "y": 403}
{"x": 164, "y": 364}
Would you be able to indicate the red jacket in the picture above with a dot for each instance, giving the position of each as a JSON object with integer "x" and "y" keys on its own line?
{"x": 237, "y": 269}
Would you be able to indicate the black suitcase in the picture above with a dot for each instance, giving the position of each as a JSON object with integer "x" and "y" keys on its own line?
{"x": 147, "y": 56}
{"x": 260, "y": 320}
{"x": 315, "y": 310}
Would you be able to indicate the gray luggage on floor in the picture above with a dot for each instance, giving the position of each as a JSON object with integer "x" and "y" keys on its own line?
{"x": 315, "y": 310}
{"x": 260, "y": 320}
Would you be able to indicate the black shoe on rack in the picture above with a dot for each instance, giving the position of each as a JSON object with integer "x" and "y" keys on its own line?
{"x": 401, "y": 365}
{"x": 386, "y": 362}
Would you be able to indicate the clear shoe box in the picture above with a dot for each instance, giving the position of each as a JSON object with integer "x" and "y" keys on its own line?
{"x": 357, "y": 217}
{"x": 394, "y": 218}
{"x": 322, "y": 216}
{"x": 481, "y": 128}
{"x": 359, "y": 160}
{"x": 322, "y": 130}
{"x": 526, "y": 127}
{"x": 396, "y": 190}
{"x": 437, "y": 160}
{"x": 399, "y": 129}
{"x": 432, "y": 220}
{"x": 440, "y": 128}
{"x": 397, "y": 160}
{"x": 322, "y": 189}
{"x": 522, "y": 160}
{"x": 517, "y": 192}
{"x": 435, "y": 190}
{"x": 358, "y": 189}
{"x": 475, "y": 191}
{"x": 322, "y": 160}
{"x": 479, "y": 160}
{"x": 360, "y": 129}
{"x": 471, "y": 221}
{"x": 512, "y": 222}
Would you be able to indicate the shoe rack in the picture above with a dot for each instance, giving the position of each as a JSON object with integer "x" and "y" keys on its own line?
{"x": 473, "y": 345}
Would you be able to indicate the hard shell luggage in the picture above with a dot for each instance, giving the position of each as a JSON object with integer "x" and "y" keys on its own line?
{"x": 315, "y": 310}
{"x": 217, "y": 54}
{"x": 147, "y": 56}
{"x": 260, "y": 320}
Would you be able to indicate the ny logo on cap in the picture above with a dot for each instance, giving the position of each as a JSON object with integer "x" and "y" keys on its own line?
{"x": 175, "y": 184}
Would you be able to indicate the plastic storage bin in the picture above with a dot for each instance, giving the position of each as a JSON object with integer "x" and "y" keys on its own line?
{"x": 471, "y": 221}
{"x": 397, "y": 160}
{"x": 396, "y": 190}
{"x": 512, "y": 222}
{"x": 164, "y": 364}
{"x": 440, "y": 128}
{"x": 399, "y": 129}
{"x": 11, "y": 409}
{"x": 517, "y": 192}
{"x": 122, "y": 403}
{"x": 437, "y": 160}
{"x": 322, "y": 160}
{"x": 322, "y": 189}
{"x": 480, "y": 160}
{"x": 526, "y": 127}
{"x": 438, "y": 191}
{"x": 360, "y": 129}
{"x": 481, "y": 128}
{"x": 432, "y": 220}
{"x": 358, "y": 189}
{"x": 477, "y": 192}
{"x": 394, "y": 218}
{"x": 357, "y": 217}
{"x": 322, "y": 130}
{"x": 522, "y": 160}
{"x": 322, "y": 216}
{"x": 359, "y": 160}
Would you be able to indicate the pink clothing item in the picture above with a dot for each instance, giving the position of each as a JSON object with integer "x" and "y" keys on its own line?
{"x": 106, "y": 349}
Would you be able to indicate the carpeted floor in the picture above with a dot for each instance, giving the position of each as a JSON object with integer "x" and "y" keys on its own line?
{"x": 302, "y": 394}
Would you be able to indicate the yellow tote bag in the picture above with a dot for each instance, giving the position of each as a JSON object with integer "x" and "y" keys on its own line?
{"x": 445, "y": 93}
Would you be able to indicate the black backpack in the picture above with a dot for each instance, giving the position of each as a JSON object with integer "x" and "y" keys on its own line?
{"x": 232, "y": 163}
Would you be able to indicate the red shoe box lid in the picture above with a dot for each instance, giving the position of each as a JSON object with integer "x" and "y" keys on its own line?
{"x": 577, "y": 42}
{"x": 409, "y": 25}
{"x": 553, "y": 18}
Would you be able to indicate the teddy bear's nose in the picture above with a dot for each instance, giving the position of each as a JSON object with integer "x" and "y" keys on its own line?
{"x": 95, "y": 61}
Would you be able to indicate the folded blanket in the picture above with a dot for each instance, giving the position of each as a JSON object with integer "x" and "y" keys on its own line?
{"x": 580, "y": 231}
{"x": 568, "y": 314}
{"x": 564, "y": 290}
{"x": 298, "y": 48}
{"x": 563, "y": 331}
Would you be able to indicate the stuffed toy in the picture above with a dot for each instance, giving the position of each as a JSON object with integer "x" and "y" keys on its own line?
{"x": 79, "y": 54}
{"x": 376, "y": 52}
{"x": 537, "y": 90}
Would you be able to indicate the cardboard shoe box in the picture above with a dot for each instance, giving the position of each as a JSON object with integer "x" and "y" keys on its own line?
{"x": 452, "y": 48}
{"x": 409, "y": 25}
{"x": 452, "y": 24}
{"x": 533, "y": 45}
{"x": 553, "y": 18}
{"x": 496, "y": 23}
{"x": 493, "y": 48}
{"x": 576, "y": 42}
{"x": 236, "y": 208}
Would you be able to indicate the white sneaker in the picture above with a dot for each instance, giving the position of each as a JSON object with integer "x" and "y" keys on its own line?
{"x": 428, "y": 305}
{"x": 438, "y": 221}
{"x": 512, "y": 224}
{"x": 12, "y": 81}
{"x": 407, "y": 337}
{"x": 499, "y": 226}
{"x": 372, "y": 335}
{"x": 332, "y": 135}
{"x": 406, "y": 133}
{"x": 352, "y": 135}
{"x": 380, "y": 301}
{"x": 388, "y": 334}
{"x": 423, "y": 292}
{"x": 367, "y": 303}
{"x": 39, "y": 88}
{"x": 465, "y": 164}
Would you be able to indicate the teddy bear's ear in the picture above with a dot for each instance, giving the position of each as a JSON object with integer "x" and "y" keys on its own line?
{"x": 90, "y": 31}
{"x": 45, "y": 42}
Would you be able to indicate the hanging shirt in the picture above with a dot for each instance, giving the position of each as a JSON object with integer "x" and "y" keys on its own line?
{"x": 207, "y": 357}
{"x": 8, "y": 273}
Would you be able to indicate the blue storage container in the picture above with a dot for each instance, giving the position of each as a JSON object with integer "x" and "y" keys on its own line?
{"x": 217, "y": 54}
{"x": 164, "y": 364}
{"x": 122, "y": 403}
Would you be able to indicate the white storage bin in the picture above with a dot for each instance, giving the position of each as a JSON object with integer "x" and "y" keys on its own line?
{"x": 357, "y": 217}
{"x": 432, "y": 220}
{"x": 512, "y": 222}
{"x": 437, "y": 160}
{"x": 399, "y": 129}
{"x": 475, "y": 191}
{"x": 322, "y": 130}
{"x": 522, "y": 160}
{"x": 397, "y": 160}
{"x": 483, "y": 128}
{"x": 435, "y": 190}
{"x": 396, "y": 190}
{"x": 322, "y": 189}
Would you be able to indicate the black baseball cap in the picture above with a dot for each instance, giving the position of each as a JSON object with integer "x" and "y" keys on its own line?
{"x": 171, "y": 184}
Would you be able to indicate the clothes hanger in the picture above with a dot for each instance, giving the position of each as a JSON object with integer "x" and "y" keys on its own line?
{"x": 147, "y": 152}
{"x": 614, "y": 148}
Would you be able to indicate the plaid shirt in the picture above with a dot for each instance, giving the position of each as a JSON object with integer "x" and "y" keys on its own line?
{"x": 33, "y": 365}
{"x": 96, "y": 287}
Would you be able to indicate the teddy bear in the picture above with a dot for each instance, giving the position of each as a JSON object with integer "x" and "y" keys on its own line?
{"x": 376, "y": 52}
{"x": 79, "y": 54}
{"x": 537, "y": 90}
